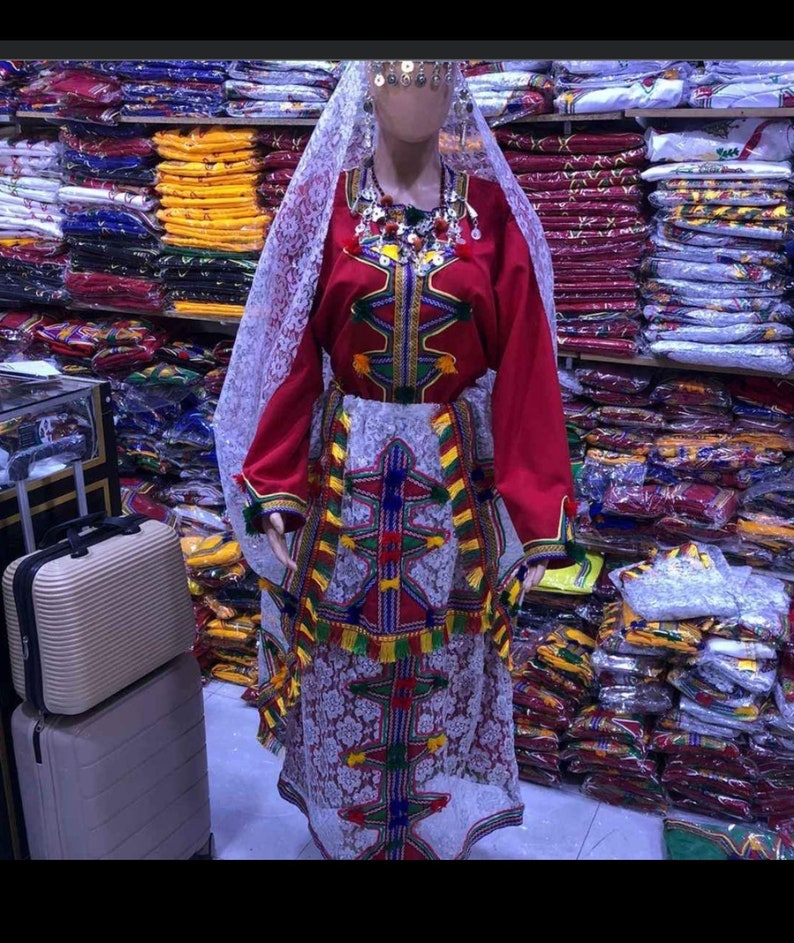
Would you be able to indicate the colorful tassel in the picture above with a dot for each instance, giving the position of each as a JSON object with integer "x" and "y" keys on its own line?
{"x": 361, "y": 365}
{"x": 446, "y": 364}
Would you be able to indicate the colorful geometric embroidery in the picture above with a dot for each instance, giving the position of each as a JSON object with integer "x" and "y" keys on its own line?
{"x": 406, "y": 364}
{"x": 400, "y": 806}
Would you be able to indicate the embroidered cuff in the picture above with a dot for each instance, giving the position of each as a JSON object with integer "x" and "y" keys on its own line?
{"x": 559, "y": 547}
{"x": 291, "y": 507}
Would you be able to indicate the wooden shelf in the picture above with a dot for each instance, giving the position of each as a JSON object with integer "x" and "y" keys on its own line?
{"x": 556, "y": 119}
{"x": 709, "y": 113}
{"x": 175, "y": 121}
{"x": 663, "y": 364}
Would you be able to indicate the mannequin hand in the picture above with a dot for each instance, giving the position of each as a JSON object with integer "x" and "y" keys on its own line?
{"x": 534, "y": 576}
{"x": 274, "y": 528}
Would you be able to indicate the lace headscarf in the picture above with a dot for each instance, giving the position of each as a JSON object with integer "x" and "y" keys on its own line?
{"x": 284, "y": 286}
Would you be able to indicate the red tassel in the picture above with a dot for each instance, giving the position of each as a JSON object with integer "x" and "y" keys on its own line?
{"x": 569, "y": 506}
{"x": 463, "y": 250}
{"x": 353, "y": 246}
{"x": 240, "y": 482}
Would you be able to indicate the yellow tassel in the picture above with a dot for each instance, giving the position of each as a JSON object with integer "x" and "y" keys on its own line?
{"x": 347, "y": 541}
{"x": 310, "y": 608}
{"x": 435, "y": 541}
{"x": 426, "y": 643}
{"x": 435, "y": 743}
{"x": 393, "y": 583}
{"x": 320, "y": 579}
{"x": 332, "y": 518}
{"x": 475, "y": 577}
{"x": 441, "y": 422}
{"x": 467, "y": 545}
{"x": 449, "y": 457}
{"x": 356, "y": 759}
{"x": 348, "y": 639}
{"x": 344, "y": 418}
{"x": 336, "y": 484}
{"x": 446, "y": 364}
{"x": 455, "y": 488}
{"x": 325, "y": 547}
{"x": 386, "y": 653}
{"x": 459, "y": 520}
{"x": 338, "y": 452}
{"x": 361, "y": 364}
{"x": 514, "y": 591}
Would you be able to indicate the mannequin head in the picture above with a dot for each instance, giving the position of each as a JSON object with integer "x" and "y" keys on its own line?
{"x": 411, "y": 113}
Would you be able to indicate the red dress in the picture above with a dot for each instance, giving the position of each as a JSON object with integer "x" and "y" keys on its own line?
{"x": 404, "y": 493}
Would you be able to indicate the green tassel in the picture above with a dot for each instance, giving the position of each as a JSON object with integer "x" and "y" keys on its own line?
{"x": 404, "y": 394}
{"x": 361, "y": 645}
{"x": 463, "y": 311}
{"x": 576, "y": 552}
{"x": 439, "y": 494}
{"x": 361, "y": 310}
{"x": 250, "y": 514}
{"x": 395, "y": 757}
{"x": 438, "y": 639}
{"x": 459, "y": 621}
{"x": 349, "y": 484}
{"x": 402, "y": 648}
{"x": 414, "y": 215}
{"x": 323, "y": 630}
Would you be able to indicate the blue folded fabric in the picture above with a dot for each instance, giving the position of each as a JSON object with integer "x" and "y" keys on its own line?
{"x": 107, "y": 222}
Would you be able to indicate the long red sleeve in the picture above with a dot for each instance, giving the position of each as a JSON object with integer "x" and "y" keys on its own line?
{"x": 275, "y": 471}
{"x": 531, "y": 458}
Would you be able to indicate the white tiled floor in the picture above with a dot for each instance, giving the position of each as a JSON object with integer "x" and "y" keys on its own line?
{"x": 251, "y": 820}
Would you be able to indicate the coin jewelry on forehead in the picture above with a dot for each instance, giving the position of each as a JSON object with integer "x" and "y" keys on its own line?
{"x": 407, "y": 66}
{"x": 380, "y": 78}
{"x": 421, "y": 78}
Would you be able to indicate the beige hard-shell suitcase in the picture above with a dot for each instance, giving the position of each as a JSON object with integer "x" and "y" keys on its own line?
{"x": 92, "y": 613}
{"x": 126, "y": 780}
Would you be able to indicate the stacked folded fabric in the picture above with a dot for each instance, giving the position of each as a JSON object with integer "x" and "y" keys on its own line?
{"x": 282, "y": 148}
{"x": 673, "y": 456}
{"x": 170, "y": 88}
{"x": 279, "y": 89}
{"x": 214, "y": 225}
{"x": 595, "y": 85}
{"x": 510, "y": 89}
{"x": 717, "y": 273}
{"x": 585, "y": 189}
{"x": 743, "y": 83}
{"x": 13, "y": 73}
{"x": 99, "y": 347}
{"x": 67, "y": 89}
{"x": 32, "y": 256}
{"x": 110, "y": 225}
{"x": 551, "y": 681}
{"x": 723, "y": 681}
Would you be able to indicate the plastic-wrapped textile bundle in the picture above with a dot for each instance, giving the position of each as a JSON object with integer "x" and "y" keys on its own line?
{"x": 282, "y": 147}
{"x": 511, "y": 89}
{"x": 13, "y": 73}
{"x": 110, "y": 225}
{"x": 595, "y": 85}
{"x": 743, "y": 83}
{"x": 716, "y": 274}
{"x": 169, "y": 88}
{"x": 697, "y": 841}
{"x": 71, "y": 90}
{"x": 551, "y": 679}
{"x": 590, "y": 203}
{"x": 214, "y": 223}
{"x": 32, "y": 256}
{"x": 279, "y": 89}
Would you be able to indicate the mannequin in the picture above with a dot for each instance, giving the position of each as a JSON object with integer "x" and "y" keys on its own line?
{"x": 405, "y": 504}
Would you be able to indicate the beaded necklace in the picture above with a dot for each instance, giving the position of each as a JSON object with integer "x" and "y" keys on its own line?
{"x": 405, "y": 234}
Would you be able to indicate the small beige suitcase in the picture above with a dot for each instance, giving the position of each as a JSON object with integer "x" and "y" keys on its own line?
{"x": 95, "y": 612}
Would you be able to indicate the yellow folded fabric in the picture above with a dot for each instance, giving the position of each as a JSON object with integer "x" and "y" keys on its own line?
{"x": 241, "y": 187}
{"x": 218, "y": 169}
{"x": 181, "y": 214}
{"x": 221, "y": 310}
{"x": 249, "y": 226}
{"x": 176, "y": 202}
{"x": 212, "y": 136}
{"x": 225, "y": 244}
{"x": 169, "y": 152}
{"x": 217, "y": 550}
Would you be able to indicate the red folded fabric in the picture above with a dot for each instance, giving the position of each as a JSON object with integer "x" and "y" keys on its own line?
{"x": 115, "y": 291}
{"x": 610, "y": 346}
{"x": 521, "y": 162}
{"x": 580, "y": 143}
{"x": 108, "y": 146}
{"x": 284, "y": 139}
{"x": 280, "y": 160}
{"x": 573, "y": 180}
{"x": 618, "y": 194}
{"x": 585, "y": 207}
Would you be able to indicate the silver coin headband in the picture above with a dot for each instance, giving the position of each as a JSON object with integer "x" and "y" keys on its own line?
{"x": 406, "y": 72}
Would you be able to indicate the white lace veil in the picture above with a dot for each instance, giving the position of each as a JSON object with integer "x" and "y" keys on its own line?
{"x": 284, "y": 285}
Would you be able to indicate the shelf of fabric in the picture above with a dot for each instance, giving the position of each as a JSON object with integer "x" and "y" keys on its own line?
{"x": 207, "y": 318}
{"x": 710, "y": 113}
{"x": 175, "y": 121}
{"x": 663, "y": 364}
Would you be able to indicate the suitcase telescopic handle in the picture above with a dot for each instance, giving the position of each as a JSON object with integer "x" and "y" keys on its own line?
{"x": 129, "y": 524}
